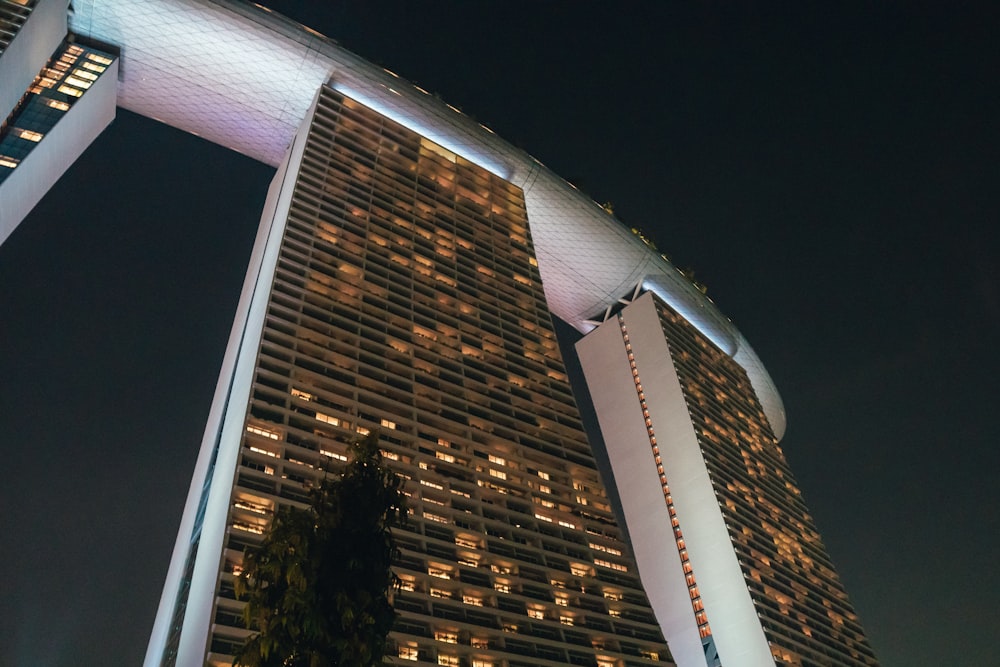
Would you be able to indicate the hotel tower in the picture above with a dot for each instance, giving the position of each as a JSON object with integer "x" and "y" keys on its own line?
{"x": 404, "y": 279}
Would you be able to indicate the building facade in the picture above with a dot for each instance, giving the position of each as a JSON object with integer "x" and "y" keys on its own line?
{"x": 395, "y": 289}
{"x": 742, "y": 572}
{"x": 404, "y": 278}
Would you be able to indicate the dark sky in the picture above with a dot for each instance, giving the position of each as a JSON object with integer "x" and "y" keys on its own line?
{"x": 831, "y": 173}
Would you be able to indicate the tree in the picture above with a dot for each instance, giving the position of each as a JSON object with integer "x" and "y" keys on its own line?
{"x": 317, "y": 588}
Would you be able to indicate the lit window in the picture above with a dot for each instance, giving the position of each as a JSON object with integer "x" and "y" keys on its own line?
{"x": 408, "y": 653}
{"x": 500, "y": 461}
{"x": 499, "y": 474}
{"x": 501, "y": 587}
{"x": 362, "y": 430}
{"x": 480, "y": 642}
{"x": 78, "y": 83}
{"x": 536, "y": 613}
{"x": 250, "y": 507}
{"x": 448, "y": 660}
{"x": 566, "y": 620}
{"x": 28, "y": 135}
{"x": 446, "y": 636}
{"x": 10, "y": 162}
{"x": 608, "y": 564}
{"x": 83, "y": 74}
{"x": 333, "y": 455}
{"x": 406, "y": 585}
{"x": 614, "y": 612}
{"x": 473, "y": 600}
{"x": 439, "y": 593}
{"x": 258, "y": 450}
{"x": 447, "y": 458}
{"x": 298, "y": 393}
{"x": 479, "y": 662}
{"x": 99, "y": 59}
{"x": 388, "y": 424}
{"x": 258, "y": 430}
{"x": 439, "y": 573}
{"x": 544, "y": 475}
{"x": 69, "y": 90}
{"x": 256, "y": 530}
{"x": 423, "y": 332}
{"x": 601, "y": 547}
{"x": 445, "y": 279}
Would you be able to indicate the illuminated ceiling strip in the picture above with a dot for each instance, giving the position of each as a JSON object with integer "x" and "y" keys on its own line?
{"x": 720, "y": 339}
{"x": 431, "y": 133}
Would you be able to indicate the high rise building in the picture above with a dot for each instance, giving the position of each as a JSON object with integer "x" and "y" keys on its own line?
{"x": 395, "y": 289}
{"x": 739, "y": 566}
{"x": 406, "y": 270}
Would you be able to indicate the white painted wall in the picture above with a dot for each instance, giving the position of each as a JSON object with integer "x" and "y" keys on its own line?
{"x": 609, "y": 378}
{"x": 232, "y": 391}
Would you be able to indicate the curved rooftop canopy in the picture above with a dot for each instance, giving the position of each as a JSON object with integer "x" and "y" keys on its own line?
{"x": 242, "y": 76}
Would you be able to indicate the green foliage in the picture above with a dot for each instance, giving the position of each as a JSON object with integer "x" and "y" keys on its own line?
{"x": 317, "y": 588}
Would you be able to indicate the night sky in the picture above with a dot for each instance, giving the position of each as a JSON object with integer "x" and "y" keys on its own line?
{"x": 831, "y": 174}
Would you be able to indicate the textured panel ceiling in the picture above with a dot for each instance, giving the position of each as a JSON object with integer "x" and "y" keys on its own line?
{"x": 203, "y": 69}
